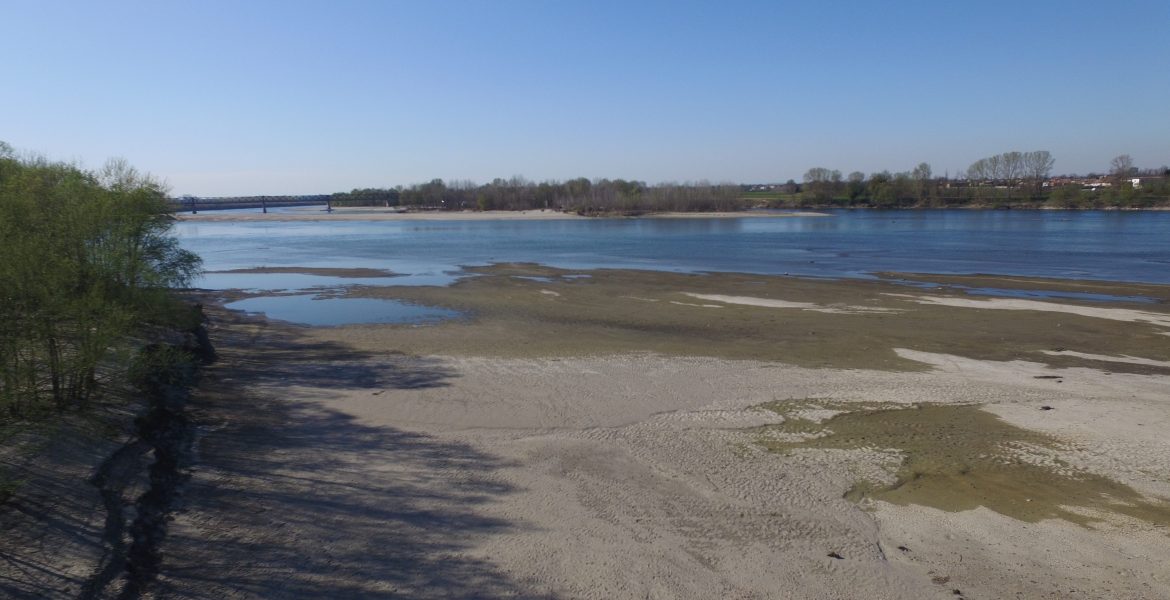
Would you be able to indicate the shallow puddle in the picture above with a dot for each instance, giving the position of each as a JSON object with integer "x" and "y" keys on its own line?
{"x": 311, "y": 309}
{"x": 303, "y": 281}
{"x": 961, "y": 457}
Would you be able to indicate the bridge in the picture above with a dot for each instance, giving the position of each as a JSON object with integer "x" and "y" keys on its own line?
{"x": 195, "y": 204}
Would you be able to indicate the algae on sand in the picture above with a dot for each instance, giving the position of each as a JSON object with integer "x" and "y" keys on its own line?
{"x": 959, "y": 457}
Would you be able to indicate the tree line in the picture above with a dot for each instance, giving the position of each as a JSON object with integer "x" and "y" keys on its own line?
{"x": 1008, "y": 179}
{"x": 1013, "y": 178}
{"x": 580, "y": 195}
{"x": 88, "y": 260}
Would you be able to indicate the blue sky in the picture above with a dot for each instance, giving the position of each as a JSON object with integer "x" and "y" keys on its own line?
{"x": 260, "y": 97}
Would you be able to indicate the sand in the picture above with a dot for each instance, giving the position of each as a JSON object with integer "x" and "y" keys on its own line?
{"x": 332, "y": 471}
{"x": 1115, "y": 314}
{"x": 843, "y": 309}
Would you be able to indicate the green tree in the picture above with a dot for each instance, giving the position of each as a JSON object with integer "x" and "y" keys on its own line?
{"x": 821, "y": 184}
{"x": 921, "y": 175}
{"x": 88, "y": 262}
{"x": 855, "y": 186}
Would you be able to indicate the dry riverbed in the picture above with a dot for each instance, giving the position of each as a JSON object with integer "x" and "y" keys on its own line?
{"x": 618, "y": 434}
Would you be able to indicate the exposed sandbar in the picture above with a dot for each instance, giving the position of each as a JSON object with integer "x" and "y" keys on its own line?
{"x": 807, "y": 322}
{"x": 362, "y": 467}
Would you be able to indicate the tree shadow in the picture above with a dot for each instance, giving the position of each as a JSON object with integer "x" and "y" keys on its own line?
{"x": 51, "y": 529}
{"x": 292, "y": 499}
{"x": 282, "y": 355}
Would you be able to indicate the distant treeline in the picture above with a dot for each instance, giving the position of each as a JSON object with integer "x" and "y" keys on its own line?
{"x": 1016, "y": 179}
{"x": 603, "y": 196}
{"x": 87, "y": 263}
{"x": 1011, "y": 179}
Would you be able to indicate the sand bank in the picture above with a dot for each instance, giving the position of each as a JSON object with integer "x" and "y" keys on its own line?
{"x": 335, "y": 464}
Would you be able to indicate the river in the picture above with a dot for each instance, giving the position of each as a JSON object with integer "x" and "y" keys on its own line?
{"x": 1105, "y": 245}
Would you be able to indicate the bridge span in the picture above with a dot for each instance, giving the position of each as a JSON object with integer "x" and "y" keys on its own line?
{"x": 194, "y": 204}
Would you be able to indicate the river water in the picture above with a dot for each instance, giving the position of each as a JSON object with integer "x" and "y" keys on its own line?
{"x": 1107, "y": 245}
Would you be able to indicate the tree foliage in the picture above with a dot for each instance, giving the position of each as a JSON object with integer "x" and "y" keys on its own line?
{"x": 577, "y": 195}
{"x": 88, "y": 260}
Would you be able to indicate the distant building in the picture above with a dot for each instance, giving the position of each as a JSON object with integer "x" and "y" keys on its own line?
{"x": 1138, "y": 182}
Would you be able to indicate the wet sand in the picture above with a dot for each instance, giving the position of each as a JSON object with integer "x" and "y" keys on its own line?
{"x": 619, "y": 438}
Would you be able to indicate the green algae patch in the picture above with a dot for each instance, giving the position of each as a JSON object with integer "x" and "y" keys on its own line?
{"x": 960, "y": 457}
{"x": 525, "y": 310}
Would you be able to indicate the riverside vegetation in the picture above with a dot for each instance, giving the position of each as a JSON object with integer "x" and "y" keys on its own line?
{"x": 86, "y": 278}
{"x": 1010, "y": 179}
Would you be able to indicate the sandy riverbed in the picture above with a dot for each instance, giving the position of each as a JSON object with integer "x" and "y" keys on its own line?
{"x": 335, "y": 464}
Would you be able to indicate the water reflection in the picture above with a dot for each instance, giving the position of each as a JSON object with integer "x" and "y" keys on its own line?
{"x": 310, "y": 309}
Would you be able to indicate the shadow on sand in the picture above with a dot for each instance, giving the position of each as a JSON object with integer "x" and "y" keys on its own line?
{"x": 292, "y": 499}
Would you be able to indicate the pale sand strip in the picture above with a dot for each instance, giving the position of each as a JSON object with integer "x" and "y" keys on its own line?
{"x": 772, "y": 303}
{"x": 1115, "y": 314}
{"x": 1133, "y": 360}
{"x": 733, "y": 215}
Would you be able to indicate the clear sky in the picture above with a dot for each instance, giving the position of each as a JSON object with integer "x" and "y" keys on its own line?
{"x": 286, "y": 96}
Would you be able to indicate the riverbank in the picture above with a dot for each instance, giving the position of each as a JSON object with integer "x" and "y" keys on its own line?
{"x": 317, "y": 213}
{"x": 367, "y": 461}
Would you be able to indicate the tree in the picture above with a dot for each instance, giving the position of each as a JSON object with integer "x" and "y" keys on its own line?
{"x": 822, "y": 183}
{"x": 1007, "y": 168}
{"x": 921, "y": 175}
{"x": 979, "y": 171}
{"x": 855, "y": 186}
{"x": 1037, "y": 168}
{"x": 1121, "y": 167}
{"x": 88, "y": 261}
{"x": 1012, "y": 169}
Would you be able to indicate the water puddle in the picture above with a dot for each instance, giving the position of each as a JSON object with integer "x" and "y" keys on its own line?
{"x": 301, "y": 281}
{"x": 957, "y": 458}
{"x": 324, "y": 311}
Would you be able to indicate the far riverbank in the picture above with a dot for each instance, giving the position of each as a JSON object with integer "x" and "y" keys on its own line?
{"x": 367, "y": 213}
